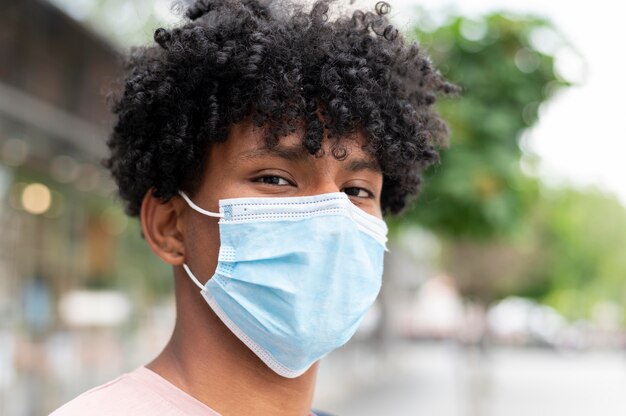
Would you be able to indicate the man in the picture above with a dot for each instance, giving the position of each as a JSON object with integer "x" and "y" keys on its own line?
{"x": 261, "y": 145}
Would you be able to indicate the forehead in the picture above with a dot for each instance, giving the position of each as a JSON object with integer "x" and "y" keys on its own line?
{"x": 246, "y": 140}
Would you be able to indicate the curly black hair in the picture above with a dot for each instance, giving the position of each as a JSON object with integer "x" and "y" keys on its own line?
{"x": 287, "y": 69}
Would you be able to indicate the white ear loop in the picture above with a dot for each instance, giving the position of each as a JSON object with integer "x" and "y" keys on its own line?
{"x": 204, "y": 212}
{"x": 197, "y": 208}
{"x": 191, "y": 275}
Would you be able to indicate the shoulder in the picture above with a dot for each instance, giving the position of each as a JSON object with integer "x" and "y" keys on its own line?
{"x": 90, "y": 399}
{"x": 123, "y": 395}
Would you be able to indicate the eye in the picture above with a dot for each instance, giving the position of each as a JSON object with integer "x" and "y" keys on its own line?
{"x": 272, "y": 180}
{"x": 358, "y": 192}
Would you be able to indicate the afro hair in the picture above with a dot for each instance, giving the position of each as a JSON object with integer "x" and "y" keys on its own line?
{"x": 288, "y": 69}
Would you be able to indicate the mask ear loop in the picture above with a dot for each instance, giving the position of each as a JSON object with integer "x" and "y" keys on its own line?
{"x": 204, "y": 212}
{"x": 197, "y": 208}
{"x": 191, "y": 275}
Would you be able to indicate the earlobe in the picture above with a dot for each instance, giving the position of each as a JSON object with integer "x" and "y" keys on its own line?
{"x": 161, "y": 225}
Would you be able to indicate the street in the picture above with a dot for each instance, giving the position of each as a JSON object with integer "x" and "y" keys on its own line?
{"x": 443, "y": 379}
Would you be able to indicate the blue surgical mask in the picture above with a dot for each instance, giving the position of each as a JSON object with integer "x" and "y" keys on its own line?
{"x": 295, "y": 276}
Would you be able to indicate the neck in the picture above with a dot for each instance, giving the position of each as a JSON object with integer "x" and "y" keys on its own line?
{"x": 206, "y": 360}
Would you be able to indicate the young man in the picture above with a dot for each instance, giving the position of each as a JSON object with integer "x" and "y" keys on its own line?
{"x": 261, "y": 145}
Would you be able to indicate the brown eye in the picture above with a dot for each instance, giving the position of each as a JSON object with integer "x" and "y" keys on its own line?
{"x": 273, "y": 180}
{"x": 358, "y": 192}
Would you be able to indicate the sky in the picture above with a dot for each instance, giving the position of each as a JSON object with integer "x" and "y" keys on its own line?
{"x": 581, "y": 135}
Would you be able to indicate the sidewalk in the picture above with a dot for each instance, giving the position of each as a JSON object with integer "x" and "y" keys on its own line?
{"x": 445, "y": 380}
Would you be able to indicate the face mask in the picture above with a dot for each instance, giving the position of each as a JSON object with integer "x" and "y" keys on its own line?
{"x": 295, "y": 276}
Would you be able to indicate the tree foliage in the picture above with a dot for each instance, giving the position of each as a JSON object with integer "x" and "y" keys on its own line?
{"x": 580, "y": 237}
{"x": 479, "y": 191}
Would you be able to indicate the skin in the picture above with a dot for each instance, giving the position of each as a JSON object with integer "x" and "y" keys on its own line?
{"x": 203, "y": 358}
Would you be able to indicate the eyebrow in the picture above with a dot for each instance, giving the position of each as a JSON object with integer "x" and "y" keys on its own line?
{"x": 295, "y": 154}
{"x": 363, "y": 164}
{"x": 299, "y": 154}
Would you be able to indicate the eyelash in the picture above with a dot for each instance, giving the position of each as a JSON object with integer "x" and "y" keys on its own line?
{"x": 370, "y": 195}
{"x": 260, "y": 179}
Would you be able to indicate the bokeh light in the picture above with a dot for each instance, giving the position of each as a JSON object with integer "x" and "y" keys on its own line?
{"x": 36, "y": 198}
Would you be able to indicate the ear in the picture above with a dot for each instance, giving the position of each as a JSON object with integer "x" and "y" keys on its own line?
{"x": 161, "y": 223}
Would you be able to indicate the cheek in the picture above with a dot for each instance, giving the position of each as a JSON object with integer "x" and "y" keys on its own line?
{"x": 202, "y": 243}
{"x": 375, "y": 210}
{"x": 378, "y": 212}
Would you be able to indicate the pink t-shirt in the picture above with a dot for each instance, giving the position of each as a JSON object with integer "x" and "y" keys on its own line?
{"x": 140, "y": 393}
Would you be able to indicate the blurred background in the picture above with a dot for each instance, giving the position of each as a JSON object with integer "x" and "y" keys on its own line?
{"x": 504, "y": 283}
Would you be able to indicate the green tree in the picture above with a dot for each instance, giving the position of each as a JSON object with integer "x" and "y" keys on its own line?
{"x": 478, "y": 198}
{"x": 580, "y": 237}
{"x": 479, "y": 190}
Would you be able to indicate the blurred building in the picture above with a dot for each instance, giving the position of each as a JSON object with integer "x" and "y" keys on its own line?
{"x": 53, "y": 128}
{"x": 57, "y": 234}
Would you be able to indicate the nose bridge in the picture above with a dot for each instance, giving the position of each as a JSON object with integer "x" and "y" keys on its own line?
{"x": 325, "y": 185}
{"x": 324, "y": 179}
